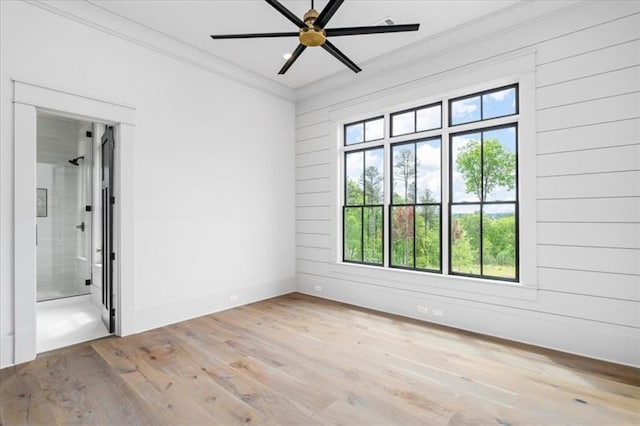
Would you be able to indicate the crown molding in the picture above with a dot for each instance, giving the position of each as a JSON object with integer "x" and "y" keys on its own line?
{"x": 517, "y": 15}
{"x": 101, "y": 19}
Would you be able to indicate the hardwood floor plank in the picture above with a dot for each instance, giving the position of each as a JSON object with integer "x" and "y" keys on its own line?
{"x": 297, "y": 359}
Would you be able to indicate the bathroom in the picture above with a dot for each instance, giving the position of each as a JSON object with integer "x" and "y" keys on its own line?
{"x": 68, "y": 232}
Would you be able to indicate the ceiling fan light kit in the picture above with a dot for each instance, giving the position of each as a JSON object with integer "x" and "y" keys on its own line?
{"x": 312, "y": 32}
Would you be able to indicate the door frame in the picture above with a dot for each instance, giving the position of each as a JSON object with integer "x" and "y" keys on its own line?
{"x": 28, "y": 100}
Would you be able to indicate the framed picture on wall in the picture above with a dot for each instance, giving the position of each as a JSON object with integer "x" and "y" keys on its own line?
{"x": 41, "y": 202}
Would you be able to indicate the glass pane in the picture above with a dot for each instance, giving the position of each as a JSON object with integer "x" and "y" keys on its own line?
{"x": 428, "y": 173}
{"x": 402, "y": 236}
{"x": 429, "y": 118}
{"x": 499, "y": 162}
{"x": 354, "y": 194}
{"x": 354, "y": 133}
{"x": 499, "y": 240}
{"x": 498, "y": 104}
{"x": 465, "y": 239}
{"x": 404, "y": 174}
{"x": 403, "y": 123}
{"x": 465, "y": 110}
{"x": 353, "y": 234}
{"x": 466, "y": 176}
{"x": 374, "y": 177}
{"x": 64, "y": 187}
{"x": 428, "y": 237}
{"x": 374, "y": 129}
{"x": 373, "y": 235}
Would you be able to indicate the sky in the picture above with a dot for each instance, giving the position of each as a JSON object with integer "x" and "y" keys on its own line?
{"x": 496, "y": 104}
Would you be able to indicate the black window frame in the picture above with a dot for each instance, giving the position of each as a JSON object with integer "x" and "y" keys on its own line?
{"x": 481, "y": 203}
{"x": 481, "y": 94}
{"x": 415, "y": 119}
{"x": 362, "y": 206}
{"x": 364, "y": 131}
{"x": 415, "y": 204}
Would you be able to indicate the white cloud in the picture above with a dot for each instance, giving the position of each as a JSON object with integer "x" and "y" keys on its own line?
{"x": 354, "y": 166}
{"x": 428, "y": 155}
{"x": 464, "y": 107}
{"x": 499, "y": 96}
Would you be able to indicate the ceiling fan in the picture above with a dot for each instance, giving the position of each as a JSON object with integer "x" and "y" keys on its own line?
{"x": 312, "y": 32}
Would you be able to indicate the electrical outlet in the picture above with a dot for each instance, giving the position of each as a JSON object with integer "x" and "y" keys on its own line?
{"x": 233, "y": 298}
{"x": 319, "y": 288}
{"x": 423, "y": 309}
{"x": 438, "y": 312}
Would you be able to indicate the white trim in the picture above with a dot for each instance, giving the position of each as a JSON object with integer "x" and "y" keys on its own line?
{"x": 116, "y": 25}
{"x": 24, "y": 228}
{"x": 28, "y": 99}
{"x": 495, "y": 73}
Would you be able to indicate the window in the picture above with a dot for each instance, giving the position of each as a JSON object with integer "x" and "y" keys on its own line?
{"x": 364, "y": 131}
{"x": 483, "y": 207}
{"x": 415, "y": 205}
{"x": 476, "y": 232}
{"x": 363, "y": 207}
{"x": 416, "y": 120}
{"x": 484, "y": 106}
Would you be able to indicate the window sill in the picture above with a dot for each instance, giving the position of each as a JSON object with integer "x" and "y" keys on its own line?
{"x": 469, "y": 288}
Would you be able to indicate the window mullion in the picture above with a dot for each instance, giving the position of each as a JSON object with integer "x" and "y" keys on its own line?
{"x": 445, "y": 191}
{"x": 481, "y": 237}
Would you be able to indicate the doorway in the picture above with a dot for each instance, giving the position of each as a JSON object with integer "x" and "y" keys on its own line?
{"x": 70, "y": 232}
{"x": 29, "y": 100}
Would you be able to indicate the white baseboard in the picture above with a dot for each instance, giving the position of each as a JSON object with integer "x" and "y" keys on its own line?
{"x": 592, "y": 339}
{"x": 6, "y": 351}
{"x": 150, "y": 318}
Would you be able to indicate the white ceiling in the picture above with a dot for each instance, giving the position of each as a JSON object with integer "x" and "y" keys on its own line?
{"x": 192, "y": 21}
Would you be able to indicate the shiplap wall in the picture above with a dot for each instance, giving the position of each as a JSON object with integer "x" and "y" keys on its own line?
{"x": 588, "y": 187}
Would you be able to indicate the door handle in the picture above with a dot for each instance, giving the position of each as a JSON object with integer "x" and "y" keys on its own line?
{"x": 80, "y": 227}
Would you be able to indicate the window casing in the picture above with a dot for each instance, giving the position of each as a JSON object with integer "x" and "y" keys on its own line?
{"x": 420, "y": 233}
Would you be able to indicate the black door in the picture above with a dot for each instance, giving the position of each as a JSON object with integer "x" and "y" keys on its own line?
{"x": 108, "y": 254}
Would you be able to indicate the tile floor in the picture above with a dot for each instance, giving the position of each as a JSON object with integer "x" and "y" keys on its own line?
{"x": 68, "y": 321}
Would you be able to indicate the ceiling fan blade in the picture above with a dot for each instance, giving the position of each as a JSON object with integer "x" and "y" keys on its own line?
{"x": 287, "y": 13}
{"x": 296, "y": 53}
{"x": 327, "y": 12}
{"x": 255, "y": 35}
{"x": 329, "y": 47}
{"x": 377, "y": 29}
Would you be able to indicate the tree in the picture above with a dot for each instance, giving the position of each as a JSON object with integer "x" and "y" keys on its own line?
{"x": 499, "y": 167}
{"x": 372, "y": 181}
{"x": 405, "y": 171}
{"x": 402, "y": 235}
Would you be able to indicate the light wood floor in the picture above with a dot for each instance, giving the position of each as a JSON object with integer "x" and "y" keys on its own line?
{"x": 302, "y": 360}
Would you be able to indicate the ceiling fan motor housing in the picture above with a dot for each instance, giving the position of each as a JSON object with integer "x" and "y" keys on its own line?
{"x": 311, "y": 36}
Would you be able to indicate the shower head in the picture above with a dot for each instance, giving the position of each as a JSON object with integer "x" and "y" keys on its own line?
{"x": 75, "y": 160}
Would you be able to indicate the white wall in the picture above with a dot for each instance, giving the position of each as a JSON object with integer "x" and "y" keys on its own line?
{"x": 214, "y": 174}
{"x": 587, "y": 112}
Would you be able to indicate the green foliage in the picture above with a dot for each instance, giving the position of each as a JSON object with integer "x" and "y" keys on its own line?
{"x": 499, "y": 167}
{"x": 363, "y": 226}
{"x": 353, "y": 234}
{"x": 427, "y": 237}
{"x": 498, "y": 244}
{"x": 373, "y": 250}
{"x": 482, "y": 176}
